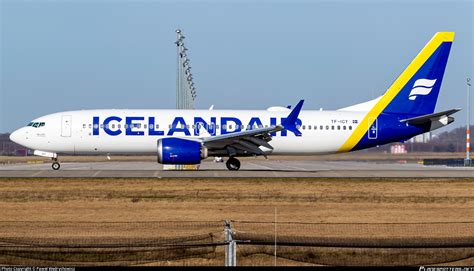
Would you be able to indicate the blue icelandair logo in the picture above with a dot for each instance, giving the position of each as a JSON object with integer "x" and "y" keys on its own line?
{"x": 421, "y": 87}
{"x": 141, "y": 126}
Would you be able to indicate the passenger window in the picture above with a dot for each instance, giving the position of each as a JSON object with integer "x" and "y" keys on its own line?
{"x": 145, "y": 126}
{"x": 304, "y": 127}
{"x": 327, "y": 127}
{"x": 84, "y": 126}
{"x": 332, "y": 127}
{"x": 169, "y": 126}
{"x": 339, "y": 127}
{"x": 90, "y": 126}
{"x": 350, "y": 127}
{"x": 113, "y": 126}
{"x": 217, "y": 126}
{"x": 119, "y": 126}
{"x": 309, "y": 127}
{"x": 344, "y": 127}
{"x": 315, "y": 127}
{"x": 157, "y": 126}
{"x": 101, "y": 126}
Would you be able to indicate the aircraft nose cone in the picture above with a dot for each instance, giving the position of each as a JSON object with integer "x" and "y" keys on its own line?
{"x": 16, "y": 137}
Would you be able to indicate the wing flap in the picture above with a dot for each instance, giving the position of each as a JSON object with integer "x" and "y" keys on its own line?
{"x": 222, "y": 140}
{"x": 250, "y": 141}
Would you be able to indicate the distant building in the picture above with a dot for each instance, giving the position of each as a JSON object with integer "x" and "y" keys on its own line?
{"x": 398, "y": 149}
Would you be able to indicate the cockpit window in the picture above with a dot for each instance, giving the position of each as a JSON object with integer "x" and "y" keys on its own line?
{"x": 36, "y": 124}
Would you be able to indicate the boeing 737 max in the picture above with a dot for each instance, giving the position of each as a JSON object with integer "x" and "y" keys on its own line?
{"x": 188, "y": 136}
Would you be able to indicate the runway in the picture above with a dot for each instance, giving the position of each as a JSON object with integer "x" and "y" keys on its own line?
{"x": 251, "y": 168}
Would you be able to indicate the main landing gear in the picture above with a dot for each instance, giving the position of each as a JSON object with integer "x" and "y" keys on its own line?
{"x": 233, "y": 163}
{"x": 55, "y": 164}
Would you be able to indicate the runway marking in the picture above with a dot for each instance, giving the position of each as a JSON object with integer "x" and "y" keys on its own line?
{"x": 260, "y": 166}
{"x": 36, "y": 174}
{"x": 297, "y": 168}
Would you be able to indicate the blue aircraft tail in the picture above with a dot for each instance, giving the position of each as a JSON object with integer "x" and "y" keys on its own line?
{"x": 414, "y": 93}
{"x": 416, "y": 90}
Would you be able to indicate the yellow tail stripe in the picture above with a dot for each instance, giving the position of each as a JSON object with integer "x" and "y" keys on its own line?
{"x": 401, "y": 81}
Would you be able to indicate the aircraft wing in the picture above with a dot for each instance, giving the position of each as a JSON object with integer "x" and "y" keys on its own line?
{"x": 249, "y": 141}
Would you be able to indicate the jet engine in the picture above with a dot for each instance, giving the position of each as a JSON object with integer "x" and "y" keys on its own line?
{"x": 180, "y": 151}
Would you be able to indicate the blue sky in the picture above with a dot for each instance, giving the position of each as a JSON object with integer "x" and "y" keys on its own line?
{"x": 64, "y": 55}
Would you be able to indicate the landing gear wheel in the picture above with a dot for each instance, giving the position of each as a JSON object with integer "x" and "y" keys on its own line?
{"x": 233, "y": 164}
{"x": 56, "y": 165}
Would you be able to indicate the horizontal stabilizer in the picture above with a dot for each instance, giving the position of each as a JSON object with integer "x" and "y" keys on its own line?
{"x": 430, "y": 117}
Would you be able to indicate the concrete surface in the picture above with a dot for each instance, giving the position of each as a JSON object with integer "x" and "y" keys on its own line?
{"x": 250, "y": 168}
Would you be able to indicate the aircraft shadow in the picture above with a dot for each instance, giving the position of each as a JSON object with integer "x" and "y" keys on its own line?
{"x": 264, "y": 170}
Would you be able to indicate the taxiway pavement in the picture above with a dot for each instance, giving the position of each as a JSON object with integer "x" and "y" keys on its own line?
{"x": 252, "y": 168}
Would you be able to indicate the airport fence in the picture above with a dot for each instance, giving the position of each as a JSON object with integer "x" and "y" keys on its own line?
{"x": 233, "y": 243}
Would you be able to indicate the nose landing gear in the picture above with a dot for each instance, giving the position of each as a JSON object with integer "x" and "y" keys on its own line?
{"x": 55, "y": 164}
{"x": 233, "y": 164}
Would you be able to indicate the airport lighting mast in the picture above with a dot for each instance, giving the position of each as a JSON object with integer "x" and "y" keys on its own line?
{"x": 468, "y": 161}
{"x": 185, "y": 89}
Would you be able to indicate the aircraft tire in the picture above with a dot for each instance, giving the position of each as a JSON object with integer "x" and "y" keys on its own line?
{"x": 233, "y": 164}
{"x": 56, "y": 165}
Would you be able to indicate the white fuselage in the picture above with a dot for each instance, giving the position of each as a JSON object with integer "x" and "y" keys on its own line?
{"x": 137, "y": 131}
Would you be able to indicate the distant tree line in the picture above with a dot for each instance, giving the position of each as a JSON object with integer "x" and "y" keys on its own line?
{"x": 450, "y": 141}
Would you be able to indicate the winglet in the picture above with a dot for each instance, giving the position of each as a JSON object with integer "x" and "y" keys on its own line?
{"x": 289, "y": 123}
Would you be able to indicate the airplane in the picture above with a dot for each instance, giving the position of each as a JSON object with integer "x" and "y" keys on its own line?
{"x": 185, "y": 137}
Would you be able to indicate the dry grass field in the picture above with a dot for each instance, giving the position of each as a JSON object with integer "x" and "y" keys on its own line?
{"x": 39, "y": 209}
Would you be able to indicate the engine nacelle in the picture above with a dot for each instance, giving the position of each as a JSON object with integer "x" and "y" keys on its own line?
{"x": 180, "y": 151}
